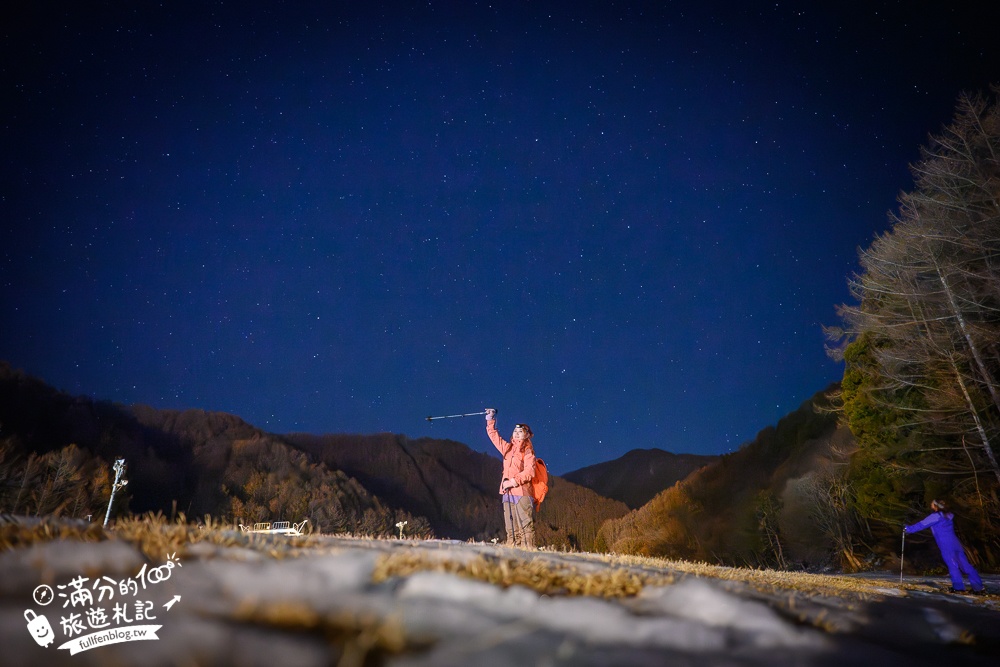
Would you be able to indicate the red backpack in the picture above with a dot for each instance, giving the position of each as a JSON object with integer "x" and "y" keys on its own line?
{"x": 540, "y": 482}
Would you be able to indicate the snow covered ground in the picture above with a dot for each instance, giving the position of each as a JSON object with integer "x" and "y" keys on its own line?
{"x": 105, "y": 603}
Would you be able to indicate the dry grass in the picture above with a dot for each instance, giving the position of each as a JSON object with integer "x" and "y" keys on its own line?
{"x": 786, "y": 592}
{"x": 776, "y": 581}
{"x": 536, "y": 574}
{"x": 18, "y": 532}
{"x": 153, "y": 534}
{"x": 629, "y": 574}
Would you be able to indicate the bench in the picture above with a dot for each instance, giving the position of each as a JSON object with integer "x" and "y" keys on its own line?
{"x": 276, "y": 527}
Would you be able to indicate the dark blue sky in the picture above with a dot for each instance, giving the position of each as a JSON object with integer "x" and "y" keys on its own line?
{"x": 623, "y": 223}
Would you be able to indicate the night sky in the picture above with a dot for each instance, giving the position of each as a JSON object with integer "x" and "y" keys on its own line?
{"x": 622, "y": 223}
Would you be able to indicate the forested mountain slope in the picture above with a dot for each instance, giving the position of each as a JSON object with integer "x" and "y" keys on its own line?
{"x": 760, "y": 505}
{"x": 56, "y": 453}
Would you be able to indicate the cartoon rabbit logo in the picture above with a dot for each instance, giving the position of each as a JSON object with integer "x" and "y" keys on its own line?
{"x": 39, "y": 628}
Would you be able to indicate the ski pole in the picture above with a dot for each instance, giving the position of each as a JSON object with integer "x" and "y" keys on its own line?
{"x": 468, "y": 414}
{"x": 511, "y": 541}
{"x": 902, "y": 550}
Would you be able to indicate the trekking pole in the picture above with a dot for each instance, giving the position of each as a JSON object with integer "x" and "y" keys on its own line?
{"x": 468, "y": 414}
{"x": 510, "y": 515}
{"x": 902, "y": 550}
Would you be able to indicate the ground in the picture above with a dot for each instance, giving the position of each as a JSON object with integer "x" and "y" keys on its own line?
{"x": 214, "y": 596}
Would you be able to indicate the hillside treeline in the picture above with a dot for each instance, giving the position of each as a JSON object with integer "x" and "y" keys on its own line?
{"x": 747, "y": 508}
{"x": 56, "y": 453}
{"x": 921, "y": 388}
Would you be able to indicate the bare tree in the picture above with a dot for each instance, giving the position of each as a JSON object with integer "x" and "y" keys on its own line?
{"x": 929, "y": 294}
{"x": 767, "y": 512}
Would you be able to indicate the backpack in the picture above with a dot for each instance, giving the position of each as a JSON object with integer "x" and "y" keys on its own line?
{"x": 540, "y": 482}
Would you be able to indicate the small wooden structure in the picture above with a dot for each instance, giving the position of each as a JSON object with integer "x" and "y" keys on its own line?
{"x": 276, "y": 527}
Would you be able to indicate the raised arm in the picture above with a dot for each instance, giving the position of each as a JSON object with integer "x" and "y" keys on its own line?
{"x": 491, "y": 430}
{"x": 926, "y": 523}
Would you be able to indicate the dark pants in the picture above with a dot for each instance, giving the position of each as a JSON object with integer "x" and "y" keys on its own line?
{"x": 519, "y": 520}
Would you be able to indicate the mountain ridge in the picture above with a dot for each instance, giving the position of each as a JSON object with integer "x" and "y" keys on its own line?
{"x": 638, "y": 475}
{"x": 200, "y": 462}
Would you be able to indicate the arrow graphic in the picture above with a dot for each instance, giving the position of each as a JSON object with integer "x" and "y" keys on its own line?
{"x": 172, "y": 602}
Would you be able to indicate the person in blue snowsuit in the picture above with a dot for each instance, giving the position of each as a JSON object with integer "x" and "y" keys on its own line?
{"x": 942, "y": 525}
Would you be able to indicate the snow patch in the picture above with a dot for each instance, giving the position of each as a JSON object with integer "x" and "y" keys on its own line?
{"x": 699, "y": 618}
{"x": 698, "y": 600}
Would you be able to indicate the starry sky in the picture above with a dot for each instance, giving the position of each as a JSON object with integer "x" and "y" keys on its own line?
{"x": 623, "y": 223}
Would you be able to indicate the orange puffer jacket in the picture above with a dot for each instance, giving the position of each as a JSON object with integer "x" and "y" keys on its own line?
{"x": 518, "y": 463}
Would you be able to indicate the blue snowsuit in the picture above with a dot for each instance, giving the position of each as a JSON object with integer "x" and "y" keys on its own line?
{"x": 942, "y": 525}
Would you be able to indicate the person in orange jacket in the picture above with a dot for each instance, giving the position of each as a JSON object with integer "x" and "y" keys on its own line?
{"x": 515, "y": 487}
